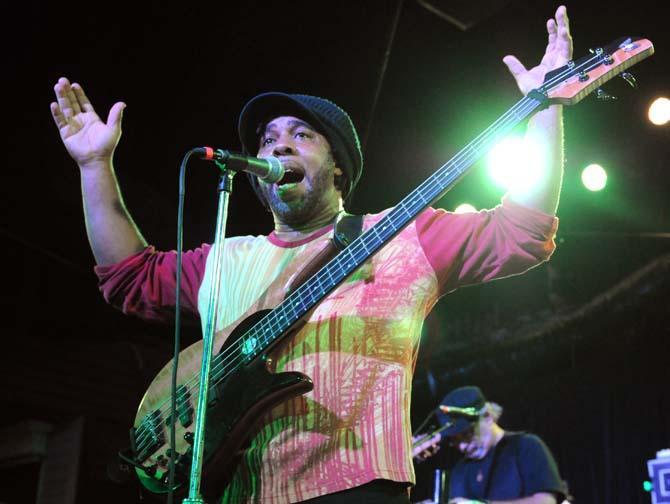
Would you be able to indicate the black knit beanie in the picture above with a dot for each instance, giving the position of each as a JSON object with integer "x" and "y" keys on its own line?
{"x": 329, "y": 119}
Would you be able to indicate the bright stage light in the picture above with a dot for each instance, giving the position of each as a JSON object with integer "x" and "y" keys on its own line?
{"x": 659, "y": 111}
{"x": 516, "y": 164}
{"x": 594, "y": 177}
{"x": 465, "y": 208}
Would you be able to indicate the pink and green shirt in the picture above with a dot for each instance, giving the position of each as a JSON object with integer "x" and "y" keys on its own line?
{"x": 359, "y": 345}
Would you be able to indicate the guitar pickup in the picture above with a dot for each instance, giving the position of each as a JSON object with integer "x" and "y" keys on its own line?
{"x": 185, "y": 411}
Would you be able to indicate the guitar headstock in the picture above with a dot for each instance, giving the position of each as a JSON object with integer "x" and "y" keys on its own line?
{"x": 569, "y": 84}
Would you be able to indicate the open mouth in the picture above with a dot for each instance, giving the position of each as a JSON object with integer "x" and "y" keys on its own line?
{"x": 291, "y": 177}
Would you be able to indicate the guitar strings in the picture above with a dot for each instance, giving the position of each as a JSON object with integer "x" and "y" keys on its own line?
{"x": 228, "y": 361}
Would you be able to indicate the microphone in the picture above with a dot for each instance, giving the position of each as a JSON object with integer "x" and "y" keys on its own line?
{"x": 267, "y": 169}
{"x": 469, "y": 413}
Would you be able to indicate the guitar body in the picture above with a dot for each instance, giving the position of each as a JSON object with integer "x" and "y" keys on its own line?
{"x": 238, "y": 399}
{"x": 234, "y": 408}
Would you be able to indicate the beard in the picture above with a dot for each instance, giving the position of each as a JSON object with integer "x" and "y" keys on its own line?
{"x": 299, "y": 210}
{"x": 479, "y": 446}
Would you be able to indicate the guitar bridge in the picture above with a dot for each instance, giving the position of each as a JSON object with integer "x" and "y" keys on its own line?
{"x": 148, "y": 437}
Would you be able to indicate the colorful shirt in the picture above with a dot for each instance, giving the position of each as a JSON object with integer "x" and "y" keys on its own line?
{"x": 359, "y": 344}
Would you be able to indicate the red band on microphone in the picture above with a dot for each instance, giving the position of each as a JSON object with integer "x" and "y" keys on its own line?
{"x": 209, "y": 153}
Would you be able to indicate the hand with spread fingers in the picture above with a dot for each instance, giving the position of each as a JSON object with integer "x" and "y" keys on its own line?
{"x": 557, "y": 54}
{"x": 545, "y": 128}
{"x": 112, "y": 234}
{"x": 86, "y": 137}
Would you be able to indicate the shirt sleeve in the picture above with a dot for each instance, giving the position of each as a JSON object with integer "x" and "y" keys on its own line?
{"x": 469, "y": 248}
{"x": 144, "y": 284}
{"x": 538, "y": 468}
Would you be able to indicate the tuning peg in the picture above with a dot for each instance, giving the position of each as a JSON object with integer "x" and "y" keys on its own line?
{"x": 602, "y": 95}
{"x": 628, "y": 77}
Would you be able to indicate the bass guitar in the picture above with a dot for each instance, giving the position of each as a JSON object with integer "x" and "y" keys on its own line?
{"x": 242, "y": 386}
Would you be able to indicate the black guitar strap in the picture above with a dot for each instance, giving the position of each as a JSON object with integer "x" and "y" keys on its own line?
{"x": 496, "y": 451}
{"x": 347, "y": 228}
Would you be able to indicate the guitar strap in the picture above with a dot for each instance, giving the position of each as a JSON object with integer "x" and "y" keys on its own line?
{"x": 498, "y": 448}
{"x": 347, "y": 228}
{"x": 487, "y": 487}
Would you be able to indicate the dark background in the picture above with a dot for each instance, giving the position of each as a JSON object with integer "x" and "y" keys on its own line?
{"x": 576, "y": 350}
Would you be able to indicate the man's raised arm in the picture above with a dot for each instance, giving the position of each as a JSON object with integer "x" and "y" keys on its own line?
{"x": 112, "y": 234}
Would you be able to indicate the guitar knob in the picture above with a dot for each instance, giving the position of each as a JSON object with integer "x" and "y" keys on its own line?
{"x": 150, "y": 471}
{"x": 188, "y": 437}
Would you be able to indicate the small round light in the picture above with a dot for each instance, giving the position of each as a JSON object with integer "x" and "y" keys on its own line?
{"x": 594, "y": 177}
{"x": 659, "y": 111}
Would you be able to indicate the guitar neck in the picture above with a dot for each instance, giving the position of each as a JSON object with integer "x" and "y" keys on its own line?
{"x": 268, "y": 330}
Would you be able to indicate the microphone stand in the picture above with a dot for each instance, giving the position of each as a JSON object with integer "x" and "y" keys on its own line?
{"x": 224, "y": 189}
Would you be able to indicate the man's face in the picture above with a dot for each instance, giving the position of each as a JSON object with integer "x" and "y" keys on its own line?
{"x": 475, "y": 442}
{"x": 307, "y": 187}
